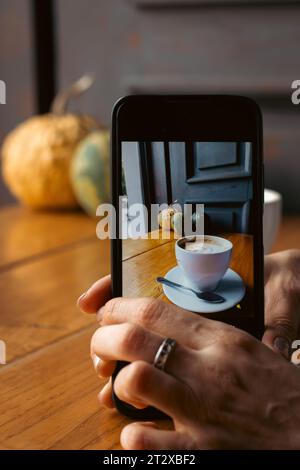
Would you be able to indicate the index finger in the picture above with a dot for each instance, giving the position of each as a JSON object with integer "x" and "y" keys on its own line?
{"x": 160, "y": 317}
{"x": 96, "y": 296}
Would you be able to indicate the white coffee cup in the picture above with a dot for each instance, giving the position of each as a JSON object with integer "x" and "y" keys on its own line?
{"x": 204, "y": 270}
{"x": 271, "y": 218}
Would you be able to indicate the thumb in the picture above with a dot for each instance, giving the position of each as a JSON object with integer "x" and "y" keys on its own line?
{"x": 282, "y": 300}
{"x": 277, "y": 339}
{"x": 282, "y": 322}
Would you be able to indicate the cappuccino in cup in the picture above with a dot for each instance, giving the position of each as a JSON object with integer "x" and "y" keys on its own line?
{"x": 203, "y": 259}
{"x": 202, "y": 245}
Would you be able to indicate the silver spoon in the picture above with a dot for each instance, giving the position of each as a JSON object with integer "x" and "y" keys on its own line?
{"x": 205, "y": 296}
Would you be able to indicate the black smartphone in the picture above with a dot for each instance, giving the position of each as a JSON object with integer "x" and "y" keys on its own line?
{"x": 187, "y": 187}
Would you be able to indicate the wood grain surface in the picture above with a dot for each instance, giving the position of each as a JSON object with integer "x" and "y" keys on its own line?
{"x": 48, "y": 389}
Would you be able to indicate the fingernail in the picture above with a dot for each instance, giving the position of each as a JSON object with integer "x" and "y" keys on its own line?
{"x": 283, "y": 346}
{"x": 95, "y": 360}
{"x": 99, "y": 315}
{"x": 81, "y": 297}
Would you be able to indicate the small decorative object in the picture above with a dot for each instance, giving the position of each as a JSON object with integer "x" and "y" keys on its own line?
{"x": 171, "y": 218}
{"x": 37, "y": 155}
{"x": 165, "y": 217}
{"x": 90, "y": 171}
{"x": 177, "y": 223}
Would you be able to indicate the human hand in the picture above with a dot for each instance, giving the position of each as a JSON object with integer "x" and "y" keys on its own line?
{"x": 222, "y": 388}
{"x": 282, "y": 309}
{"x": 282, "y": 300}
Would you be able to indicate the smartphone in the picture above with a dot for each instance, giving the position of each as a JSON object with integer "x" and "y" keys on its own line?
{"x": 187, "y": 188}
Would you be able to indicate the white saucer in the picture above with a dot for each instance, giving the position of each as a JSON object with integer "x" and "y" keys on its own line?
{"x": 231, "y": 287}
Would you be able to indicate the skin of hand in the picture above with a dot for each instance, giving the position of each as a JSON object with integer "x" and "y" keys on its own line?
{"x": 282, "y": 300}
{"x": 264, "y": 405}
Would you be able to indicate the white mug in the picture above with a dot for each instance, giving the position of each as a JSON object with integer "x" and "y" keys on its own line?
{"x": 204, "y": 271}
{"x": 271, "y": 217}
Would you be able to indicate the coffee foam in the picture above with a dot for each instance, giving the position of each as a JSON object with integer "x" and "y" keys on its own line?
{"x": 205, "y": 245}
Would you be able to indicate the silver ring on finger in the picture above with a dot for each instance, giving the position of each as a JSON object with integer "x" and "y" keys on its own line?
{"x": 163, "y": 353}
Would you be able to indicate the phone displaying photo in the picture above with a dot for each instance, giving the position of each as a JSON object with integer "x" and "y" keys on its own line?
{"x": 188, "y": 193}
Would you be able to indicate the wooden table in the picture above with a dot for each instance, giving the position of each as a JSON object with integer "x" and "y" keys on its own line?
{"x": 48, "y": 387}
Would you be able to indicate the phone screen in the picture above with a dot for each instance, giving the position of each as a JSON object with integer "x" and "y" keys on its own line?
{"x": 187, "y": 216}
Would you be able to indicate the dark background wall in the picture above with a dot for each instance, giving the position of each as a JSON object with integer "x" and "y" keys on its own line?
{"x": 16, "y": 69}
{"x": 201, "y": 46}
